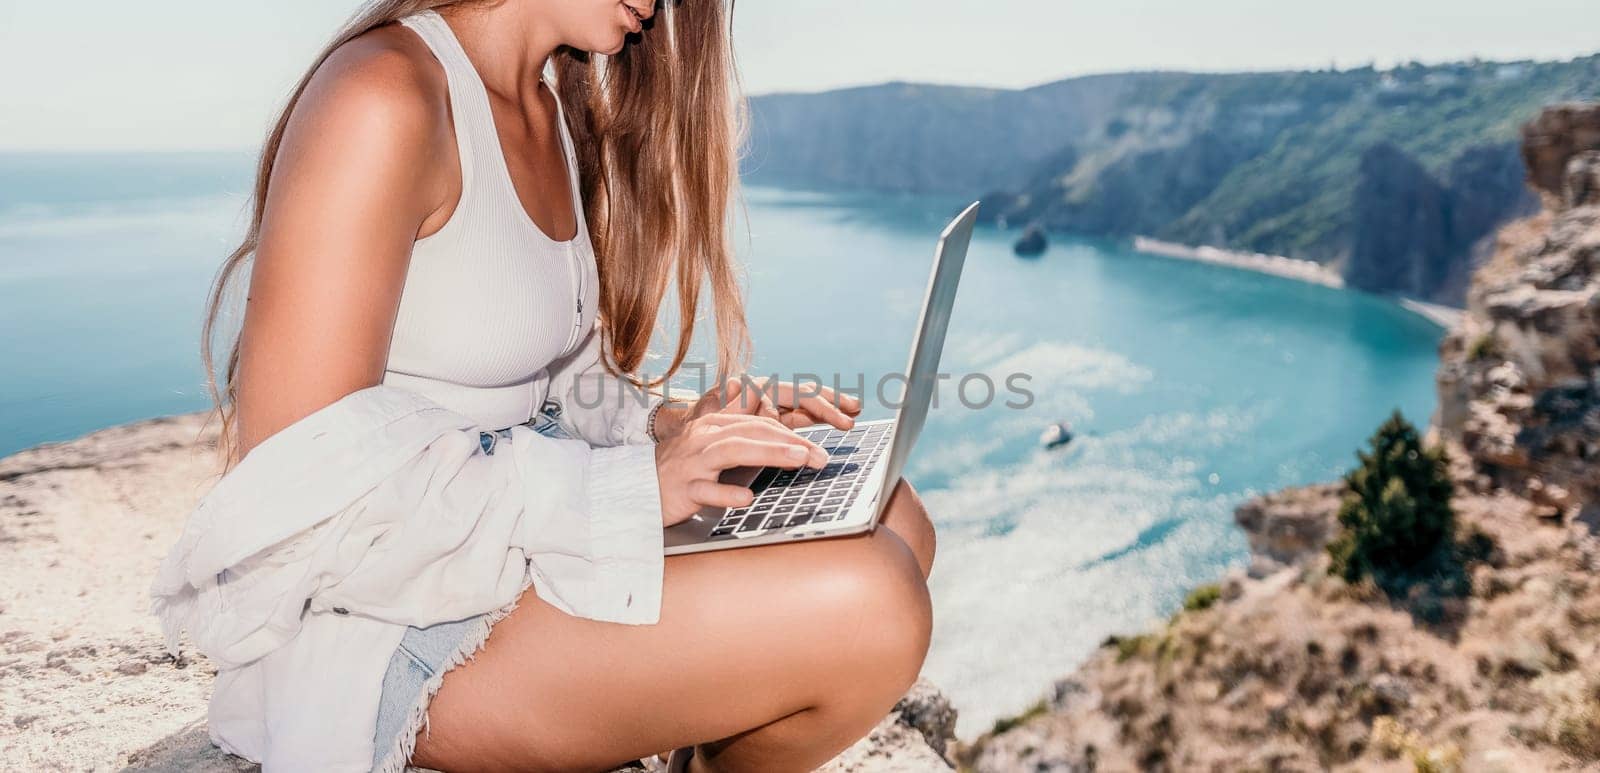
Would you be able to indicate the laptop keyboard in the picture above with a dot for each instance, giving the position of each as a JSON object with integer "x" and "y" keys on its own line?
{"x": 788, "y": 498}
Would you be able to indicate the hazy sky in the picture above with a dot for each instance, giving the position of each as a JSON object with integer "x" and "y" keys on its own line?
{"x": 207, "y": 74}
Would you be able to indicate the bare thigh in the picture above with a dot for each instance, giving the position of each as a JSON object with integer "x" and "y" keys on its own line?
{"x": 832, "y": 630}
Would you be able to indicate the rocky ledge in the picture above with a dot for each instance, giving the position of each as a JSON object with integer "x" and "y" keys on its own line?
{"x": 85, "y": 681}
{"x": 1519, "y": 382}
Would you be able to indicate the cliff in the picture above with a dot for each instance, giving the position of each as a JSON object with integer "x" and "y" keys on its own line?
{"x": 85, "y": 681}
{"x": 1420, "y": 234}
{"x": 1285, "y": 666}
{"x": 1519, "y": 385}
{"x": 1278, "y": 162}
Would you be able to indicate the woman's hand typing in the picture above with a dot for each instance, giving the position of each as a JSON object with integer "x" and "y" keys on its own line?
{"x": 790, "y": 404}
{"x": 689, "y": 462}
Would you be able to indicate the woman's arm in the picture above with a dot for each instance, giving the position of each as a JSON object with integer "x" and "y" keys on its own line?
{"x": 351, "y": 187}
{"x": 357, "y": 178}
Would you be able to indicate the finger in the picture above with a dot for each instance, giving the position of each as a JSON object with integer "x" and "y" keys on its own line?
{"x": 707, "y": 492}
{"x": 758, "y": 393}
{"x": 762, "y": 428}
{"x": 725, "y": 420}
{"x": 743, "y": 397}
{"x": 801, "y": 419}
{"x": 777, "y": 402}
{"x": 715, "y": 399}
{"x": 736, "y": 451}
{"x": 674, "y": 517}
{"x": 759, "y": 428}
{"x": 732, "y": 396}
{"x": 767, "y": 408}
{"x": 826, "y": 412}
{"x": 788, "y": 393}
{"x": 821, "y": 403}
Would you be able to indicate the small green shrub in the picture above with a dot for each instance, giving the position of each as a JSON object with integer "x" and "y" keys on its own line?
{"x": 1483, "y": 347}
{"x": 1202, "y": 597}
{"x": 1003, "y": 724}
{"x": 1396, "y": 524}
{"x": 1130, "y": 646}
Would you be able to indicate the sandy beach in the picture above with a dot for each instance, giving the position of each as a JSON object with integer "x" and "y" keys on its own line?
{"x": 1441, "y": 315}
{"x": 1288, "y": 268}
{"x": 1276, "y": 265}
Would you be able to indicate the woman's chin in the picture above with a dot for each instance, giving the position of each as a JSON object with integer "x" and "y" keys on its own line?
{"x": 613, "y": 46}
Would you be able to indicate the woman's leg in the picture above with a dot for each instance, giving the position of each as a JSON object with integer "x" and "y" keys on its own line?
{"x": 772, "y": 658}
{"x": 909, "y": 519}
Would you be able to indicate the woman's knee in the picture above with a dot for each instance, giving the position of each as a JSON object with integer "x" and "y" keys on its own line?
{"x": 884, "y": 615}
{"x": 909, "y": 520}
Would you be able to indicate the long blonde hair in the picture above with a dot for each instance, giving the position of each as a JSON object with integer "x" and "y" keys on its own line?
{"x": 656, "y": 129}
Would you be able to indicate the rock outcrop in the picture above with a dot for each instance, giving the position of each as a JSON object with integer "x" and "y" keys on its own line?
{"x": 1032, "y": 244}
{"x": 1519, "y": 383}
{"x": 1549, "y": 144}
{"x": 85, "y": 680}
{"x": 1285, "y": 528}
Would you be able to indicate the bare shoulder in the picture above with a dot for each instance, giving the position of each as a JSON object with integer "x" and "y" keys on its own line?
{"x": 372, "y": 124}
{"x": 383, "y": 87}
{"x": 355, "y": 177}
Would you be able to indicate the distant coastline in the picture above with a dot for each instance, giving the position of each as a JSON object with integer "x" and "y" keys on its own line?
{"x": 1308, "y": 163}
{"x": 1288, "y": 268}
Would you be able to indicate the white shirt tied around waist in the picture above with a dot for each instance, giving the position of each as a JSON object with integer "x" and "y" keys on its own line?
{"x": 299, "y": 571}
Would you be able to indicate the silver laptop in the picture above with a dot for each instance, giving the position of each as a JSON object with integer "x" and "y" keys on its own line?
{"x": 849, "y": 494}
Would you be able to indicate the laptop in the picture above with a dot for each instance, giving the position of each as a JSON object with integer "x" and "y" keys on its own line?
{"x": 849, "y": 494}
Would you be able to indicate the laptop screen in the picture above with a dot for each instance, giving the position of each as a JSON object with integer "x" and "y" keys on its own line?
{"x": 921, "y": 375}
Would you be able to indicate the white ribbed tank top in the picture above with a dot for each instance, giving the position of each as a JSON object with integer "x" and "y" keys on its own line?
{"x": 489, "y": 300}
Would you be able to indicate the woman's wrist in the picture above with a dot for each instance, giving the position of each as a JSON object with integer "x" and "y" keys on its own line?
{"x": 666, "y": 419}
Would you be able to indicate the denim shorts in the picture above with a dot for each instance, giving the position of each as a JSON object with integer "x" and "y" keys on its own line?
{"x": 425, "y": 654}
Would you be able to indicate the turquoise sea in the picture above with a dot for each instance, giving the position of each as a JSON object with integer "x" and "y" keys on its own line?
{"x": 1192, "y": 386}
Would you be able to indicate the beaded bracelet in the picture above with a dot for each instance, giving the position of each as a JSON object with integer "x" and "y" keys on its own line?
{"x": 650, "y": 423}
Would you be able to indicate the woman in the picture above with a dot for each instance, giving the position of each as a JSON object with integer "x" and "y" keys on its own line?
{"x": 430, "y": 214}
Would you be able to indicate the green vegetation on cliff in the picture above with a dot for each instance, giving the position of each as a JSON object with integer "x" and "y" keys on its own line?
{"x": 1396, "y": 524}
{"x": 1270, "y": 162}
